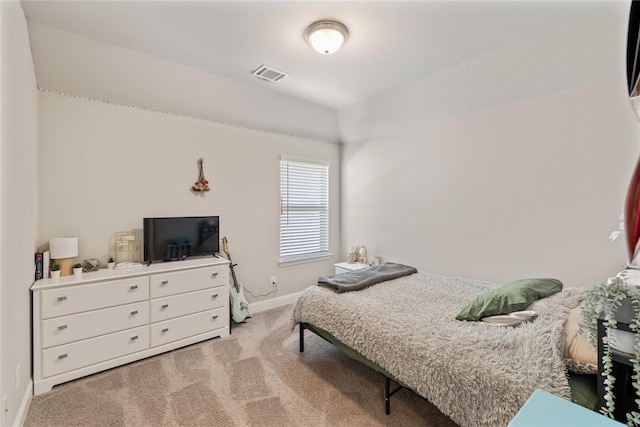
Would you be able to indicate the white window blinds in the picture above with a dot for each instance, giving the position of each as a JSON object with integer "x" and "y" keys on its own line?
{"x": 304, "y": 209}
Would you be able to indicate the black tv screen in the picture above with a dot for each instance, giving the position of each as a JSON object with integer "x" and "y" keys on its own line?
{"x": 178, "y": 238}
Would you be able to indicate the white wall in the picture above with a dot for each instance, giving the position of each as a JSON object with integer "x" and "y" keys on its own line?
{"x": 509, "y": 165}
{"x": 76, "y": 65}
{"x": 104, "y": 167}
{"x": 585, "y": 51}
{"x": 18, "y": 208}
{"x": 527, "y": 189}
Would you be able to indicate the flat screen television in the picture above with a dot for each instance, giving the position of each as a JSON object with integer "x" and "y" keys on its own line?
{"x": 179, "y": 238}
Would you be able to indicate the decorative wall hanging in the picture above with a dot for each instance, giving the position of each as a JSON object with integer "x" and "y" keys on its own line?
{"x": 202, "y": 184}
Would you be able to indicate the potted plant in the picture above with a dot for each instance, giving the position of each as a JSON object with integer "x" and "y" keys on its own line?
{"x": 111, "y": 263}
{"x": 77, "y": 269}
{"x": 55, "y": 271}
{"x": 614, "y": 301}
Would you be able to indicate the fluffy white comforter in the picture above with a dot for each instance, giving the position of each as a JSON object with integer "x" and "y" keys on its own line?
{"x": 476, "y": 373}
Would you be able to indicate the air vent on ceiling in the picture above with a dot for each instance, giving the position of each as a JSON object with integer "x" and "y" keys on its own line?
{"x": 265, "y": 72}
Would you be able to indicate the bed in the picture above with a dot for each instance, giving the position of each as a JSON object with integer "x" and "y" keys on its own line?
{"x": 477, "y": 373}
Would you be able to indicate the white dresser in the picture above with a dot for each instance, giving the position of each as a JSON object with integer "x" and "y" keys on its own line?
{"x": 111, "y": 317}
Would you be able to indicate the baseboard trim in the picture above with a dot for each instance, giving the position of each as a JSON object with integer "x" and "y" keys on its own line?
{"x": 257, "y": 307}
{"x": 23, "y": 410}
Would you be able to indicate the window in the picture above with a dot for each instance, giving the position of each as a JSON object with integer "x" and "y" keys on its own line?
{"x": 304, "y": 210}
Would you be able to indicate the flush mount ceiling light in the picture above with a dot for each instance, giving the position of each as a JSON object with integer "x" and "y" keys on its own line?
{"x": 326, "y": 36}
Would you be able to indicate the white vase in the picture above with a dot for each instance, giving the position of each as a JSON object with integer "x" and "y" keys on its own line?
{"x": 55, "y": 274}
{"x": 77, "y": 272}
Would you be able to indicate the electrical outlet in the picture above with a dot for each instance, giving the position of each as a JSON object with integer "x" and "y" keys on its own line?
{"x": 4, "y": 406}
{"x": 273, "y": 281}
{"x": 17, "y": 376}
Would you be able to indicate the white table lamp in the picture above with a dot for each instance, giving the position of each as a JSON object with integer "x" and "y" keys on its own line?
{"x": 63, "y": 250}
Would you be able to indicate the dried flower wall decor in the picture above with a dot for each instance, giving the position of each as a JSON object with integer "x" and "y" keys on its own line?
{"x": 201, "y": 184}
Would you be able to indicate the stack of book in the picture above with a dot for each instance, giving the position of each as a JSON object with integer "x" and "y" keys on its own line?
{"x": 42, "y": 261}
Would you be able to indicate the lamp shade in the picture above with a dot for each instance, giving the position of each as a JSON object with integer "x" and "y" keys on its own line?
{"x": 326, "y": 37}
{"x": 63, "y": 247}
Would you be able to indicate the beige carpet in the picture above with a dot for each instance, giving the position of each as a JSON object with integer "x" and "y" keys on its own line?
{"x": 255, "y": 377}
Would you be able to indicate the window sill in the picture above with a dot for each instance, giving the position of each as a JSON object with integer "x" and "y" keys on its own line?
{"x": 304, "y": 260}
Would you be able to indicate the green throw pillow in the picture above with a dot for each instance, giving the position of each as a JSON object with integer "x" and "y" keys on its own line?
{"x": 513, "y": 296}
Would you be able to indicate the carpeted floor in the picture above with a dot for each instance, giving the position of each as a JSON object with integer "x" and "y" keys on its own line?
{"x": 255, "y": 377}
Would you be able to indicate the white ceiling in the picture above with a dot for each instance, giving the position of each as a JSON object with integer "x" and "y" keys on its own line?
{"x": 391, "y": 42}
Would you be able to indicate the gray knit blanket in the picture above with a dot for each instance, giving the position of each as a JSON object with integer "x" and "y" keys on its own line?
{"x": 363, "y": 278}
{"x": 476, "y": 373}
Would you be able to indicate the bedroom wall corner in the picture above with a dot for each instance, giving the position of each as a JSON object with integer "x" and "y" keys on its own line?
{"x": 18, "y": 208}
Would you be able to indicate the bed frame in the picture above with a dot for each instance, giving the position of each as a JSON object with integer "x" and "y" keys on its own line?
{"x": 358, "y": 357}
{"x": 584, "y": 394}
{"x": 337, "y": 317}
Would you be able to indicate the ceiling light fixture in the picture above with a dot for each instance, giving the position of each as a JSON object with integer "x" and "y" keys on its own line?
{"x": 326, "y": 36}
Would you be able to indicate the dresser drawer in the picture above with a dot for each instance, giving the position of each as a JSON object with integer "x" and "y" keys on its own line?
{"x": 187, "y": 326}
{"x": 76, "y": 327}
{"x": 57, "y": 360}
{"x": 163, "y": 285}
{"x": 80, "y": 298}
{"x": 192, "y": 302}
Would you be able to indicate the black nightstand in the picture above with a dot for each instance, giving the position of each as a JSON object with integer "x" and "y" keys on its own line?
{"x": 624, "y": 392}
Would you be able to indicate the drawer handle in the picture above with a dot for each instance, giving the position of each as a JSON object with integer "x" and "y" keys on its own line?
{"x": 214, "y": 317}
{"x": 62, "y": 356}
{"x": 134, "y": 312}
{"x": 164, "y": 306}
{"x": 133, "y": 287}
{"x": 214, "y": 274}
{"x": 62, "y": 327}
{"x": 62, "y": 299}
{"x": 214, "y": 296}
{"x": 165, "y": 330}
{"x": 133, "y": 338}
{"x": 164, "y": 282}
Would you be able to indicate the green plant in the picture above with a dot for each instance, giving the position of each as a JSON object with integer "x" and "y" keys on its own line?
{"x": 55, "y": 267}
{"x": 77, "y": 265}
{"x": 603, "y": 301}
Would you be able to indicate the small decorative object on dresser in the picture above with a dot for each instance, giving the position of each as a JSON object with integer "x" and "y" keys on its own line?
{"x": 89, "y": 265}
{"x": 77, "y": 270}
{"x": 63, "y": 251}
{"x": 127, "y": 246}
{"x": 55, "y": 271}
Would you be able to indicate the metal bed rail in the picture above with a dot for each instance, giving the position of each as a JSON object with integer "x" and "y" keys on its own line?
{"x": 387, "y": 383}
